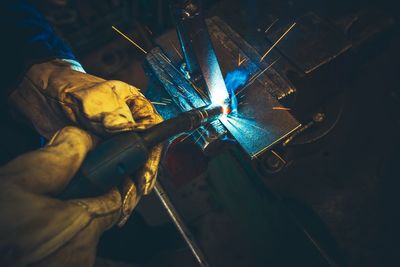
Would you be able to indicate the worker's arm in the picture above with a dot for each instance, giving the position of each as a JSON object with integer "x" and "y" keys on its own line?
{"x": 37, "y": 229}
{"x": 54, "y": 91}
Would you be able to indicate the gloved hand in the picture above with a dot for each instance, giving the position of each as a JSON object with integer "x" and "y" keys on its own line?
{"x": 38, "y": 229}
{"x": 52, "y": 95}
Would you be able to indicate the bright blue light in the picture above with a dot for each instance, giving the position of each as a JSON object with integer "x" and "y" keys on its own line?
{"x": 233, "y": 81}
{"x": 214, "y": 80}
{"x": 236, "y": 78}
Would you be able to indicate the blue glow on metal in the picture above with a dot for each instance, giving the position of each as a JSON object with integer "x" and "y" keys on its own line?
{"x": 215, "y": 81}
{"x": 233, "y": 81}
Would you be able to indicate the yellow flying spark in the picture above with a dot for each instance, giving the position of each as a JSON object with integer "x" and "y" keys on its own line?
{"x": 129, "y": 39}
{"x": 278, "y": 41}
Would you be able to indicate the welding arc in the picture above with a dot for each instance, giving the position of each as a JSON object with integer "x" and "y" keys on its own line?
{"x": 278, "y": 41}
{"x": 129, "y": 39}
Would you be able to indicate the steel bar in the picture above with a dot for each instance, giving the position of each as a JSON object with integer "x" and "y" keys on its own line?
{"x": 180, "y": 225}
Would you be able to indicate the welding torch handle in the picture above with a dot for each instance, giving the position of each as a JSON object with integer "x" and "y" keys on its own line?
{"x": 122, "y": 155}
{"x": 107, "y": 166}
{"x": 184, "y": 122}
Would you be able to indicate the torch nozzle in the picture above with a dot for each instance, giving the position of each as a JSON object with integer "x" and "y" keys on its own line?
{"x": 184, "y": 122}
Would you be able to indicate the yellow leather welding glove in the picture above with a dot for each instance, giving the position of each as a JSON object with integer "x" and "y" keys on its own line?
{"x": 36, "y": 228}
{"x": 53, "y": 95}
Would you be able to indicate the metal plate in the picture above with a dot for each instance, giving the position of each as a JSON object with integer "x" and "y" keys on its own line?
{"x": 259, "y": 124}
{"x": 229, "y": 44}
{"x": 262, "y": 121}
{"x": 312, "y": 43}
{"x": 184, "y": 95}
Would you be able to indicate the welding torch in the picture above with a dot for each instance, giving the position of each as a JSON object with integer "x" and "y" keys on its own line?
{"x": 122, "y": 155}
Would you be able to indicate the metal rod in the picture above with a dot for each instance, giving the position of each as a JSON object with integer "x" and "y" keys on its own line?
{"x": 180, "y": 225}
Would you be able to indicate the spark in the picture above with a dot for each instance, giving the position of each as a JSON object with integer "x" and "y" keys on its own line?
{"x": 191, "y": 83}
{"x": 278, "y": 41}
{"x": 280, "y": 108}
{"x": 270, "y": 26}
{"x": 240, "y": 60}
{"x": 198, "y": 90}
{"x": 262, "y": 72}
{"x": 176, "y": 49}
{"x": 181, "y": 88}
{"x": 187, "y": 136}
{"x": 278, "y": 156}
{"x": 159, "y": 103}
{"x": 148, "y": 29}
{"x": 168, "y": 82}
{"x": 201, "y": 134}
{"x": 256, "y": 76}
{"x": 129, "y": 39}
{"x": 198, "y": 139}
{"x": 166, "y": 59}
{"x": 166, "y": 99}
{"x": 179, "y": 94}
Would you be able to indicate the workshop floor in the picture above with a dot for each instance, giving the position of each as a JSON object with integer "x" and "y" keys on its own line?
{"x": 348, "y": 178}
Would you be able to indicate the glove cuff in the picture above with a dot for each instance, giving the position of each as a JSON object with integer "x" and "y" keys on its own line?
{"x": 75, "y": 65}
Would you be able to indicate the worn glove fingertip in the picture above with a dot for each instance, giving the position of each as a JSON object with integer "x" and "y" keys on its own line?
{"x": 131, "y": 197}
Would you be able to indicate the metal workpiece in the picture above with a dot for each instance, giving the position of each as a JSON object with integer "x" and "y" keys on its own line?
{"x": 198, "y": 49}
{"x": 262, "y": 121}
{"x": 182, "y": 10}
{"x": 307, "y": 56}
{"x": 229, "y": 44}
{"x": 260, "y": 125}
{"x": 186, "y": 96}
